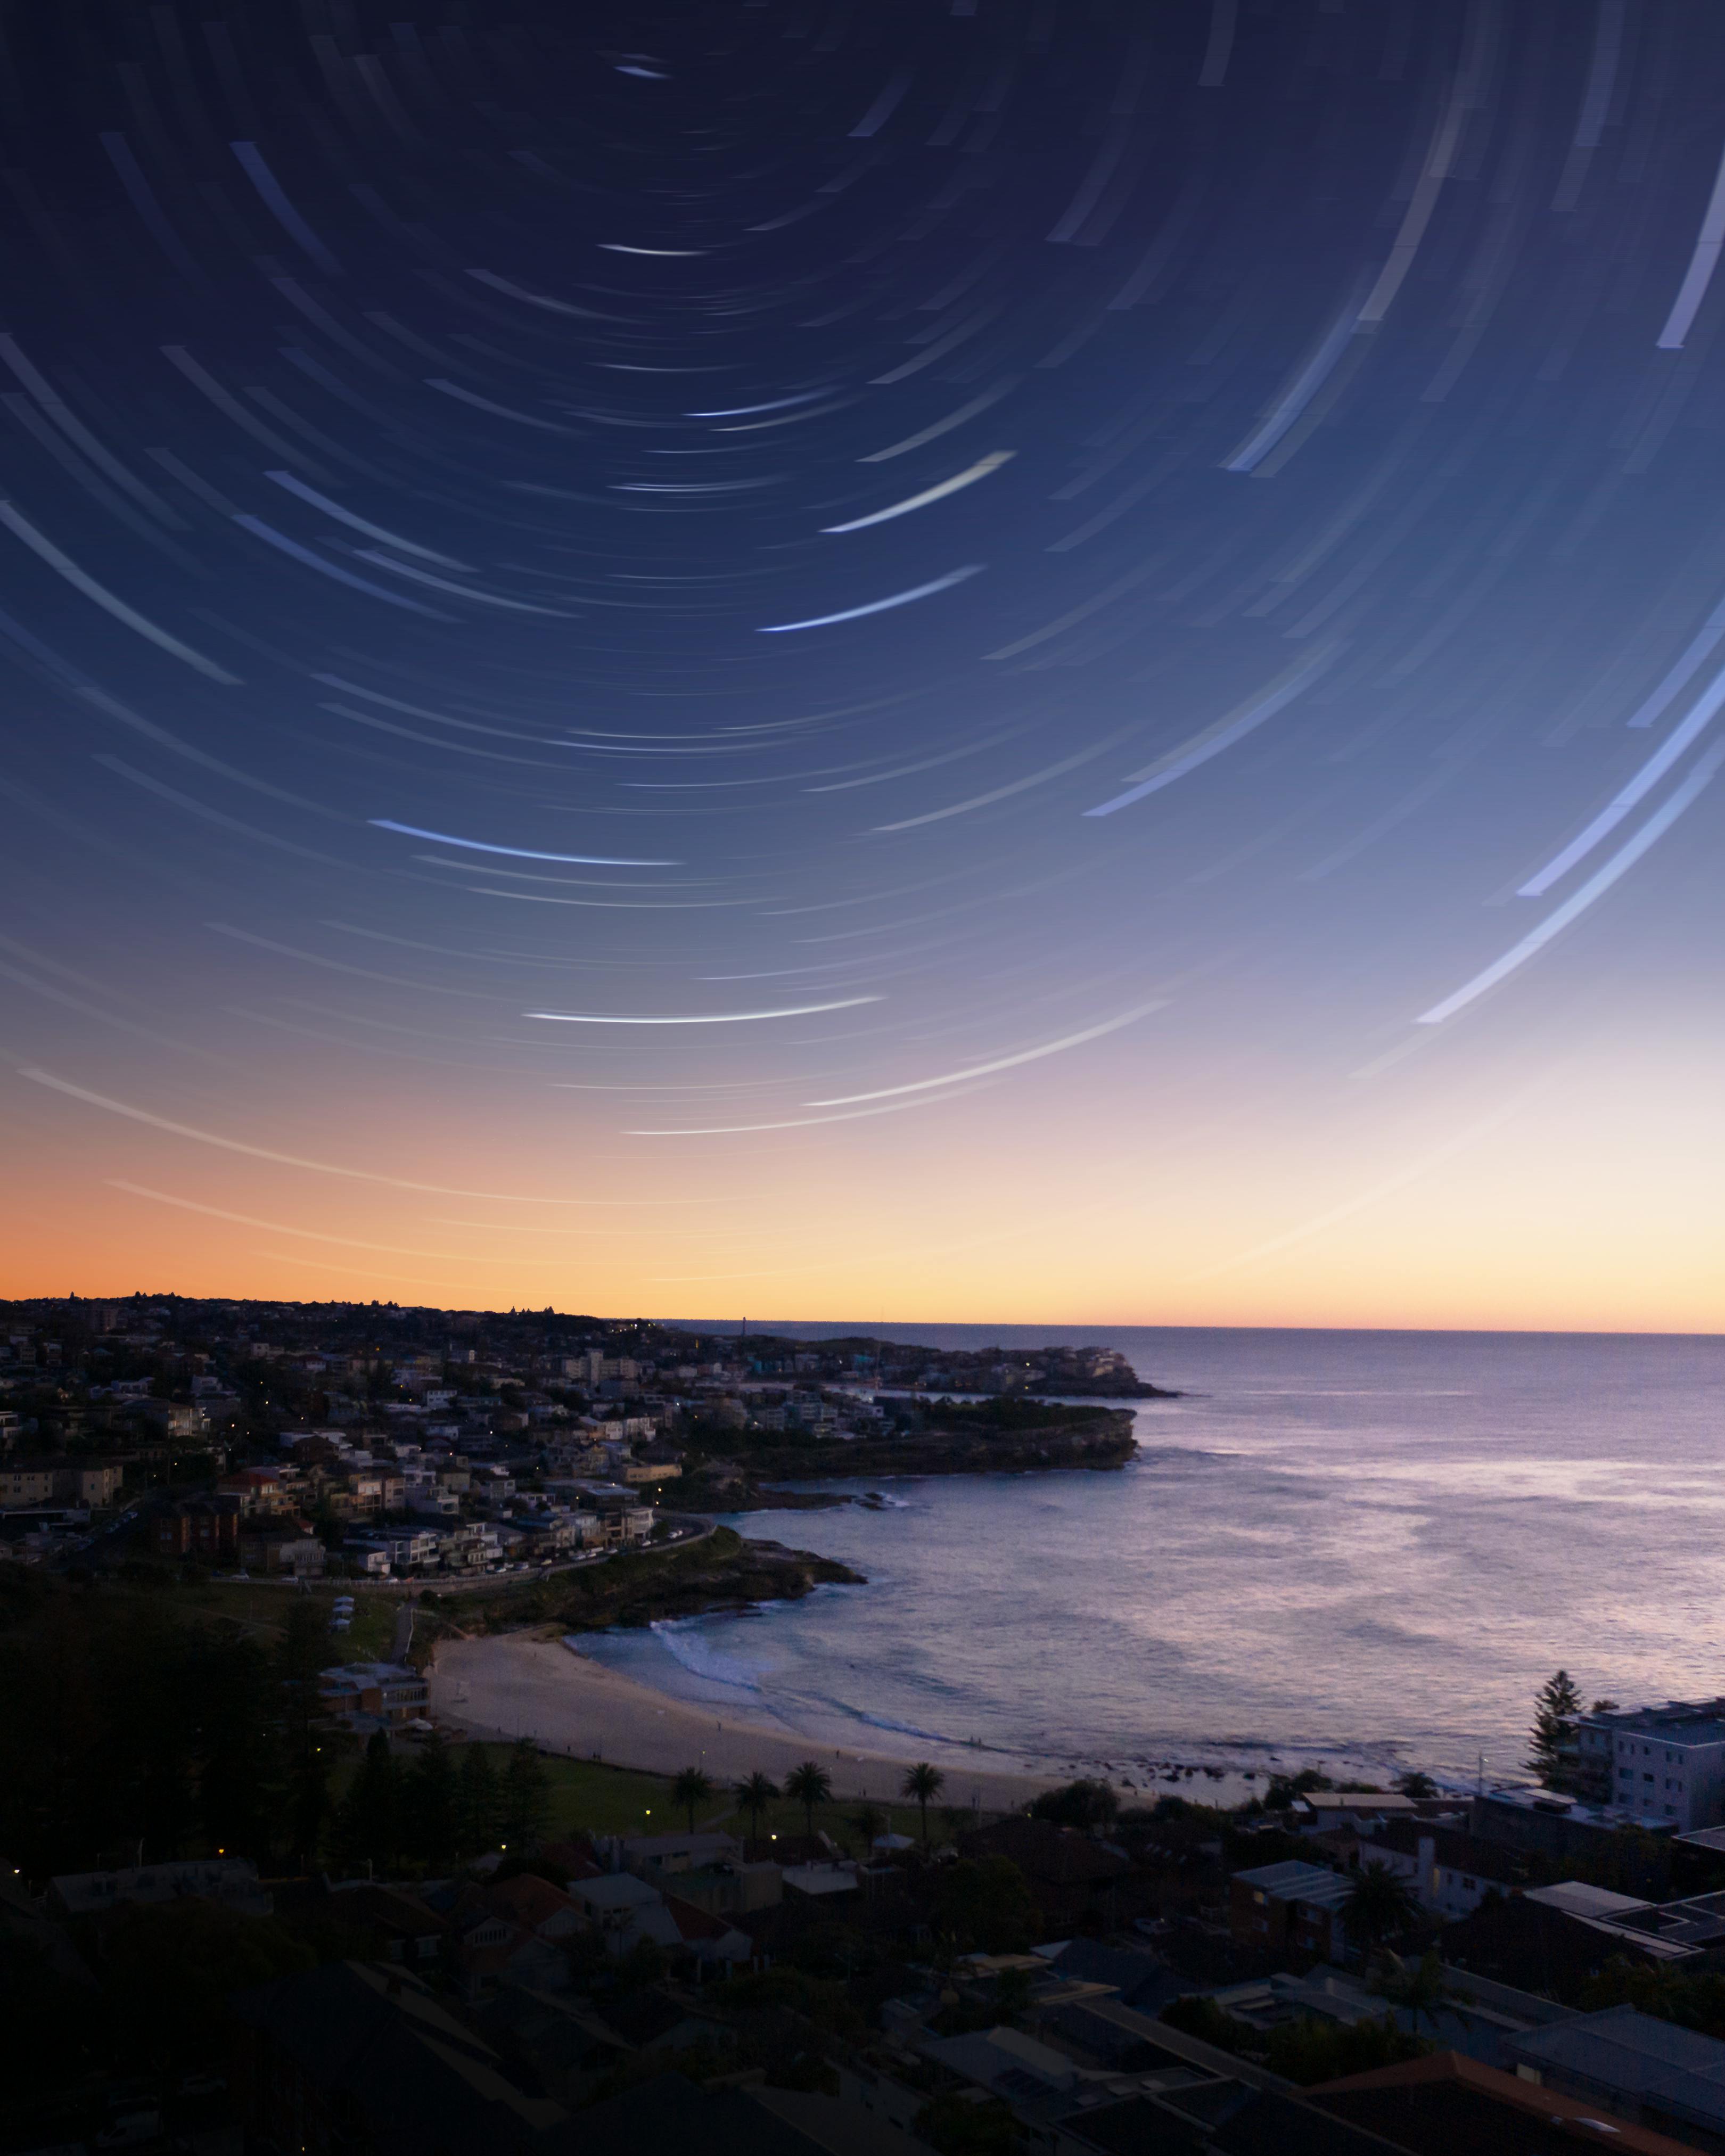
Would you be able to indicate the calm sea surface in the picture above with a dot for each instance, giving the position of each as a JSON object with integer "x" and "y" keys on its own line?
{"x": 1363, "y": 1547}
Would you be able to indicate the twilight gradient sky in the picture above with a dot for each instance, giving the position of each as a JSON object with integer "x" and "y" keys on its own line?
{"x": 932, "y": 659}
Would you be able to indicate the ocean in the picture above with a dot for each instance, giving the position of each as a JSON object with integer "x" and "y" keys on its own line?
{"x": 1362, "y": 1550}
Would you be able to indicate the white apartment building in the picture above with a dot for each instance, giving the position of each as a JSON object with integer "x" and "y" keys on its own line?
{"x": 1661, "y": 1764}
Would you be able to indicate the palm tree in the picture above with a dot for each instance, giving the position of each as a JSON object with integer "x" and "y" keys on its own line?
{"x": 1380, "y": 1904}
{"x": 808, "y": 1785}
{"x": 870, "y": 1823}
{"x": 1418, "y": 1989}
{"x": 923, "y": 1785}
{"x": 754, "y": 1795}
{"x": 691, "y": 1790}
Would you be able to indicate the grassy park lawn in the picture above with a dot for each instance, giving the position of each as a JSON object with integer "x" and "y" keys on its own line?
{"x": 588, "y": 1797}
{"x": 261, "y": 1609}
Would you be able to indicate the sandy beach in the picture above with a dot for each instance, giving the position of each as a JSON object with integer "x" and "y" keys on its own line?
{"x": 513, "y": 1685}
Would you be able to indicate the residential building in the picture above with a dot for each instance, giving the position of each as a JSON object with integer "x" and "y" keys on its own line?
{"x": 1658, "y": 1762}
{"x": 284, "y": 1546}
{"x": 1662, "y": 1931}
{"x": 177, "y": 1418}
{"x": 1139, "y": 1980}
{"x": 231, "y": 1880}
{"x": 207, "y": 1528}
{"x": 1072, "y": 1876}
{"x": 656, "y": 1857}
{"x": 546, "y": 1910}
{"x": 403, "y": 1550}
{"x": 1567, "y": 1830}
{"x": 377, "y": 1490}
{"x": 511, "y": 1932}
{"x": 639, "y": 1474}
{"x": 58, "y": 1481}
{"x": 363, "y": 2055}
{"x": 1635, "y": 2067}
{"x": 469, "y": 1547}
{"x": 1474, "y": 2019}
{"x": 1450, "y": 1871}
{"x": 622, "y": 1520}
{"x": 625, "y": 1910}
{"x": 556, "y": 1534}
{"x": 258, "y": 1489}
{"x": 670, "y": 2113}
{"x": 1328, "y": 1810}
{"x": 24, "y": 1486}
{"x": 94, "y": 1482}
{"x": 823, "y": 1880}
{"x": 1447, "y": 2104}
{"x": 1698, "y": 1860}
{"x": 1291, "y": 1908}
{"x": 724, "y": 1888}
{"x": 568, "y": 2043}
{"x": 1535, "y": 1946}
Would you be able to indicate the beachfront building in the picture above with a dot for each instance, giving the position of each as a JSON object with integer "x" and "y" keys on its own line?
{"x": 365, "y": 1696}
{"x": 1659, "y": 1763}
{"x": 1567, "y": 1831}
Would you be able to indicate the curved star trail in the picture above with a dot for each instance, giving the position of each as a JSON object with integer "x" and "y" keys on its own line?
{"x": 974, "y": 517}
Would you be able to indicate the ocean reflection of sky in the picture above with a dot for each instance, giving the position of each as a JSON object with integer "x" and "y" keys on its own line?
{"x": 1348, "y": 1590}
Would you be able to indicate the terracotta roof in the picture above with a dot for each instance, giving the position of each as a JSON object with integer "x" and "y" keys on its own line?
{"x": 1446, "y": 2101}
{"x": 575, "y": 1856}
{"x": 527, "y": 1899}
{"x": 694, "y": 1923}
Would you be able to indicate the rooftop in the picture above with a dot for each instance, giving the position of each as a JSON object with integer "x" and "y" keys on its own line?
{"x": 1661, "y": 1724}
{"x": 1528, "y": 1798}
{"x": 1295, "y": 1882}
{"x": 1629, "y": 2055}
{"x": 617, "y": 1890}
{"x": 1443, "y": 2103}
{"x": 1578, "y": 1899}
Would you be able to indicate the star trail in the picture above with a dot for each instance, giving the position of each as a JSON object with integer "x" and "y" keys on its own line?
{"x": 1144, "y": 580}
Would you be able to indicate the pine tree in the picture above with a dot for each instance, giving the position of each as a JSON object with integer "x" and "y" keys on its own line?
{"x": 369, "y": 1822}
{"x": 236, "y": 1744}
{"x": 479, "y": 1805}
{"x": 526, "y": 1798}
{"x": 1552, "y": 1752}
{"x": 304, "y": 1761}
{"x": 430, "y": 1802}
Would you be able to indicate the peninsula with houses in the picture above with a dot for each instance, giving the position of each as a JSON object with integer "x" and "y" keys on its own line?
{"x": 374, "y": 1441}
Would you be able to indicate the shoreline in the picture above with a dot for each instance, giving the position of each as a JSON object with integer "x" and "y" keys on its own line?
{"x": 514, "y": 1684}
{"x": 509, "y": 1684}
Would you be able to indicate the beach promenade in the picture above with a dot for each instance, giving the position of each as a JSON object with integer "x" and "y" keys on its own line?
{"x": 513, "y": 1685}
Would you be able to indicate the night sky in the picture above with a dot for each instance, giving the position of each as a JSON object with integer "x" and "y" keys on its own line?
{"x": 1022, "y": 659}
